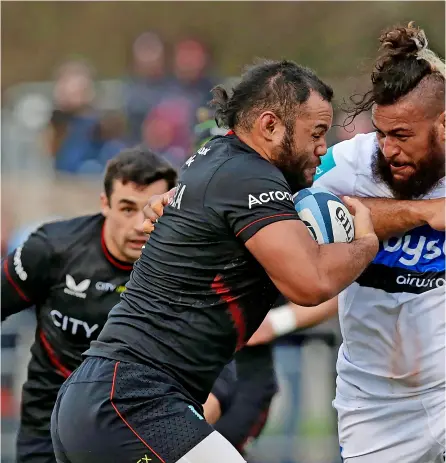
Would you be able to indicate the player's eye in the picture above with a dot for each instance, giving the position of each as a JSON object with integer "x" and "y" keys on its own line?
{"x": 127, "y": 210}
{"x": 317, "y": 136}
{"x": 402, "y": 137}
{"x": 379, "y": 134}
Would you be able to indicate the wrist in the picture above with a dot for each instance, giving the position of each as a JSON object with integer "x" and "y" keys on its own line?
{"x": 283, "y": 320}
{"x": 371, "y": 243}
{"x": 419, "y": 213}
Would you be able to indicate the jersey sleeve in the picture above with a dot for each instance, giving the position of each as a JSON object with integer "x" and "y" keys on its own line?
{"x": 25, "y": 274}
{"x": 248, "y": 195}
{"x": 338, "y": 171}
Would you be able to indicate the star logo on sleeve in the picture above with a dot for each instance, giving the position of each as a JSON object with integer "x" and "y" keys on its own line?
{"x": 190, "y": 160}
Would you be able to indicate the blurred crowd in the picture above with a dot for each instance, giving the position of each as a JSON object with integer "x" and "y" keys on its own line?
{"x": 65, "y": 127}
{"x": 162, "y": 94}
{"x": 68, "y": 126}
{"x": 162, "y": 99}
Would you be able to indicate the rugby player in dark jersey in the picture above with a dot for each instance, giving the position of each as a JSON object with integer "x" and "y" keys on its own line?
{"x": 73, "y": 272}
{"x": 229, "y": 241}
{"x": 241, "y": 397}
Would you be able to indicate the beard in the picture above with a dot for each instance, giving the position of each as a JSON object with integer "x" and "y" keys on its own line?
{"x": 429, "y": 171}
{"x": 292, "y": 163}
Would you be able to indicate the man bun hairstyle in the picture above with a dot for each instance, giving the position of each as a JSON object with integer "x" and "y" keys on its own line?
{"x": 404, "y": 60}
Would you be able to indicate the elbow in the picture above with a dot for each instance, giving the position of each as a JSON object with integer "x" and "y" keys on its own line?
{"x": 320, "y": 296}
{"x": 313, "y": 295}
{"x": 317, "y": 293}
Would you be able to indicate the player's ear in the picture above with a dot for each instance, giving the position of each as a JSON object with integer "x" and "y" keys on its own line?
{"x": 271, "y": 127}
{"x": 105, "y": 204}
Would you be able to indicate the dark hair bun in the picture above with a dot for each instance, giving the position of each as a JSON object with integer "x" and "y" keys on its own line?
{"x": 403, "y": 40}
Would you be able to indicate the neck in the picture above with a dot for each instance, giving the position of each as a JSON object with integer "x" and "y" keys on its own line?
{"x": 249, "y": 139}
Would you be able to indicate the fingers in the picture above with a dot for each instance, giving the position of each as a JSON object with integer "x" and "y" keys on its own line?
{"x": 352, "y": 204}
{"x": 148, "y": 227}
{"x": 154, "y": 210}
{"x": 355, "y": 206}
{"x": 170, "y": 194}
{"x": 150, "y": 213}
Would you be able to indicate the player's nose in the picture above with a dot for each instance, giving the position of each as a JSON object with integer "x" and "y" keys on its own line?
{"x": 390, "y": 149}
{"x": 138, "y": 225}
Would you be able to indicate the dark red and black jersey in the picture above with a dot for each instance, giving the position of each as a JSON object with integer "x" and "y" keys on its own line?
{"x": 196, "y": 295}
{"x": 67, "y": 273}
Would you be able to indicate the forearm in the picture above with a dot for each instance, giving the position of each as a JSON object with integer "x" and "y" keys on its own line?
{"x": 393, "y": 217}
{"x": 289, "y": 317}
{"x": 339, "y": 264}
{"x": 311, "y": 316}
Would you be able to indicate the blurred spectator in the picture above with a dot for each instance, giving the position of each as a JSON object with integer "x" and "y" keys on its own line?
{"x": 107, "y": 140}
{"x": 194, "y": 83}
{"x": 69, "y": 135}
{"x": 148, "y": 83}
{"x": 191, "y": 69}
{"x": 168, "y": 128}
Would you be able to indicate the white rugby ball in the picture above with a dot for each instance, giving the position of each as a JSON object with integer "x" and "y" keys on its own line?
{"x": 327, "y": 218}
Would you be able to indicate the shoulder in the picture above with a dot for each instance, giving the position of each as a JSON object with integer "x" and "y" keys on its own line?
{"x": 354, "y": 155}
{"x": 64, "y": 234}
{"x": 240, "y": 161}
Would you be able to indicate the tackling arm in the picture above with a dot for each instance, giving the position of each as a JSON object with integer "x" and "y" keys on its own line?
{"x": 392, "y": 217}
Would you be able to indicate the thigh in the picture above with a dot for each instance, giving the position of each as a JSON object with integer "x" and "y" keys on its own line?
{"x": 213, "y": 448}
{"x": 32, "y": 448}
{"x": 130, "y": 416}
{"x": 386, "y": 431}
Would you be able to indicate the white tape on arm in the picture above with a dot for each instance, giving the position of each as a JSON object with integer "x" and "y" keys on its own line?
{"x": 283, "y": 320}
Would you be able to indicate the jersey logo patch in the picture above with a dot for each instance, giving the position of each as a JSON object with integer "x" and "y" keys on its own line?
{"x": 267, "y": 197}
{"x": 412, "y": 263}
{"x": 190, "y": 160}
{"x": 421, "y": 250}
{"x": 203, "y": 151}
{"x": 74, "y": 289}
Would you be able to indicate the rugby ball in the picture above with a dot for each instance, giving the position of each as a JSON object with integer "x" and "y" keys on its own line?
{"x": 327, "y": 218}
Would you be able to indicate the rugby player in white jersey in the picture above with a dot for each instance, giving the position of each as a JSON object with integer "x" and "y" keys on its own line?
{"x": 390, "y": 394}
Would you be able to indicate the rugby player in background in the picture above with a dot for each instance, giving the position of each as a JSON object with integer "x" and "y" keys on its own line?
{"x": 73, "y": 271}
{"x": 210, "y": 272}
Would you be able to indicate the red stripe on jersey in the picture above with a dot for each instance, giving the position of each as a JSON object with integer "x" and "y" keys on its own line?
{"x": 65, "y": 372}
{"x": 112, "y": 392}
{"x": 224, "y": 292}
{"x": 263, "y": 218}
{"x": 13, "y": 283}
{"x": 110, "y": 258}
{"x": 231, "y": 132}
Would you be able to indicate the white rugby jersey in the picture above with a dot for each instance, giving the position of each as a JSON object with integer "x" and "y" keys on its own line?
{"x": 393, "y": 317}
